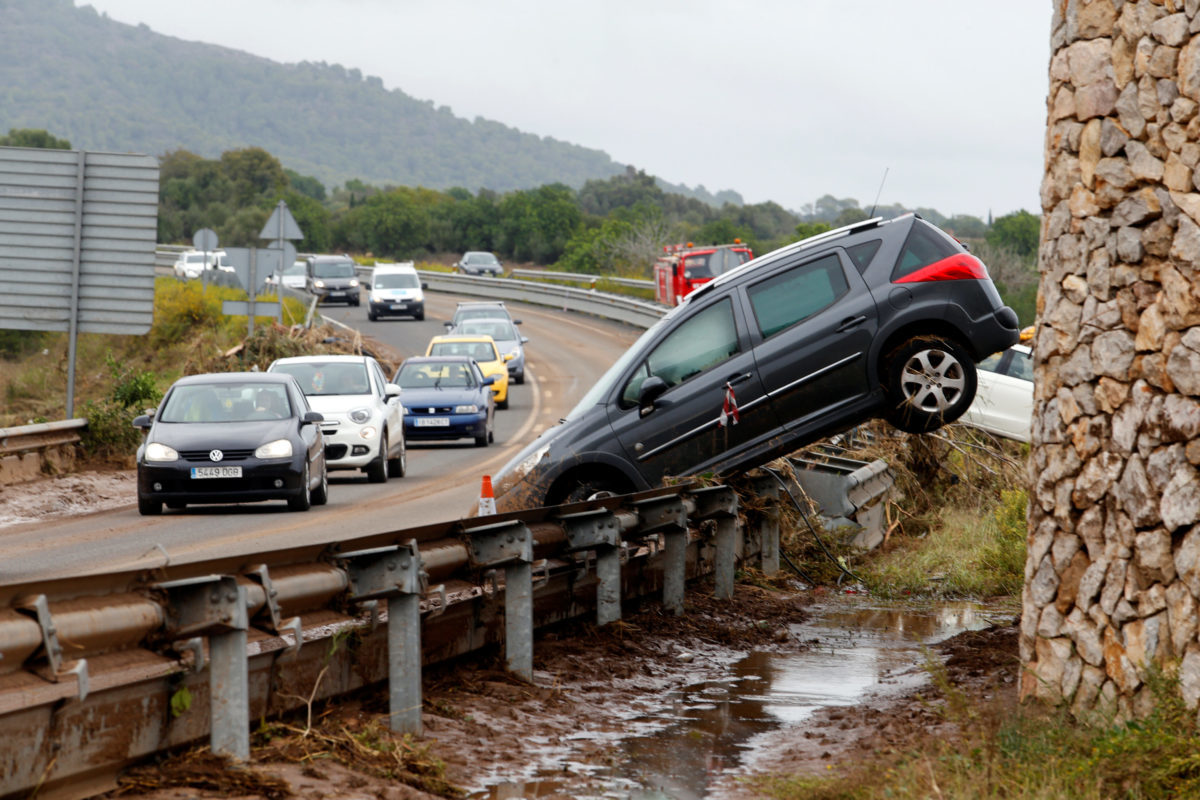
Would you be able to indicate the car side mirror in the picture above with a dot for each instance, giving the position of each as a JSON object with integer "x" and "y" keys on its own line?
{"x": 516, "y": 322}
{"x": 524, "y": 339}
{"x": 311, "y": 417}
{"x": 448, "y": 324}
{"x": 489, "y": 380}
{"x": 652, "y": 388}
{"x": 391, "y": 390}
{"x": 424, "y": 286}
{"x": 143, "y": 421}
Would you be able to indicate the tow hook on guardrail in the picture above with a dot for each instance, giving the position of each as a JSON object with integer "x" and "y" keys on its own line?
{"x": 279, "y": 625}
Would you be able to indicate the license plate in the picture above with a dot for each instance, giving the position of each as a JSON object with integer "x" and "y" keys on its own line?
{"x": 216, "y": 472}
{"x": 433, "y": 422}
{"x": 336, "y": 294}
{"x": 399, "y": 306}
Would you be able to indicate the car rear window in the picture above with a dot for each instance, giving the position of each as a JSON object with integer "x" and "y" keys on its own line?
{"x": 796, "y": 294}
{"x": 861, "y": 254}
{"x": 923, "y": 247}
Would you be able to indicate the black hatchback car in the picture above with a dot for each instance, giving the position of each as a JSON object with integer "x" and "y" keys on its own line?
{"x": 231, "y": 437}
{"x": 880, "y": 318}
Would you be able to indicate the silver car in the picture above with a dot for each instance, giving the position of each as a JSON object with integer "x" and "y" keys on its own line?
{"x": 508, "y": 341}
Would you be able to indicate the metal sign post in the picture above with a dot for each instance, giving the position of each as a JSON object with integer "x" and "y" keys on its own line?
{"x": 205, "y": 240}
{"x": 281, "y": 226}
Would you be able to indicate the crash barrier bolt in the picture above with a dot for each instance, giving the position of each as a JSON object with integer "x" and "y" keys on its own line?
{"x": 510, "y": 544}
{"x": 396, "y": 573}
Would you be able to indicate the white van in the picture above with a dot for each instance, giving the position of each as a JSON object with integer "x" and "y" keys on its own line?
{"x": 395, "y": 290}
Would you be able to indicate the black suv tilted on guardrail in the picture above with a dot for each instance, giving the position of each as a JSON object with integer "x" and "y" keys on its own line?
{"x": 877, "y": 319}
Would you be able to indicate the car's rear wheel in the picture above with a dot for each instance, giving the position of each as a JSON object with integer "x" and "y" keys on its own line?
{"x": 377, "y": 469}
{"x": 302, "y": 500}
{"x": 930, "y": 381}
{"x": 148, "y": 507}
{"x": 420, "y": 315}
{"x": 320, "y": 495}
{"x": 502, "y": 403}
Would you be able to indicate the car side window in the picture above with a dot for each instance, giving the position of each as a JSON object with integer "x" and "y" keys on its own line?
{"x": 377, "y": 376}
{"x": 922, "y": 248}
{"x": 796, "y": 294}
{"x": 861, "y": 254}
{"x": 991, "y": 363}
{"x": 703, "y": 341}
{"x": 1021, "y": 366}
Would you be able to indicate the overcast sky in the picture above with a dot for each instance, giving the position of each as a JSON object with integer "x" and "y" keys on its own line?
{"x": 782, "y": 100}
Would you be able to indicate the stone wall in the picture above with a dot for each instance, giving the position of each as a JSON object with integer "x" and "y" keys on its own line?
{"x": 1113, "y": 569}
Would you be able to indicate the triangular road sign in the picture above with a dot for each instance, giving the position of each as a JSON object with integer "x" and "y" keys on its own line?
{"x": 281, "y": 225}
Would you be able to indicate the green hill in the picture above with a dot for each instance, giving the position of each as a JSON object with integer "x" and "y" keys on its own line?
{"x": 105, "y": 85}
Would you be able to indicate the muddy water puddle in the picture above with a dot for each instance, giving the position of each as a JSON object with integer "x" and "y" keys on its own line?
{"x": 680, "y": 744}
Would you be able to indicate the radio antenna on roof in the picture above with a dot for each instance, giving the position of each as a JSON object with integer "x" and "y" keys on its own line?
{"x": 876, "y": 203}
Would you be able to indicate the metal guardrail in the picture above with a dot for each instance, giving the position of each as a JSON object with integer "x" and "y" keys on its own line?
{"x": 99, "y": 671}
{"x": 848, "y": 492}
{"x": 25, "y": 438}
{"x": 576, "y": 277}
{"x": 629, "y": 310}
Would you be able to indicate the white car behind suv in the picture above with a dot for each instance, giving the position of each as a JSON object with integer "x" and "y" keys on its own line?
{"x": 364, "y": 422}
{"x": 191, "y": 263}
{"x": 1003, "y": 402}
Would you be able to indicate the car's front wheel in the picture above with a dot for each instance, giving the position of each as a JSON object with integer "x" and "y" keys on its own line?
{"x": 398, "y": 466}
{"x": 148, "y": 507}
{"x": 320, "y": 495}
{"x": 302, "y": 500}
{"x": 930, "y": 381}
{"x": 377, "y": 469}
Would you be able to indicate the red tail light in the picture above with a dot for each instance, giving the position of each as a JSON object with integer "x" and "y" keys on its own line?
{"x": 958, "y": 267}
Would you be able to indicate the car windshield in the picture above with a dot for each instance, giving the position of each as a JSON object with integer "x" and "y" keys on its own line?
{"x": 319, "y": 379}
{"x": 480, "y": 351}
{"x": 295, "y": 269}
{"x": 500, "y": 331}
{"x": 225, "y": 402}
{"x": 337, "y": 269}
{"x": 480, "y": 258}
{"x": 602, "y": 386}
{"x": 395, "y": 280}
{"x": 435, "y": 375}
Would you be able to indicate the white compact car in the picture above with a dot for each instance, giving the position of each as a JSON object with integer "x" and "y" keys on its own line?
{"x": 191, "y": 263}
{"x": 364, "y": 421}
{"x": 1004, "y": 400}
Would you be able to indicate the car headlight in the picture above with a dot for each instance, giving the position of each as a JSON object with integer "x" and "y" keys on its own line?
{"x": 368, "y": 432}
{"x": 516, "y": 351}
{"x": 467, "y": 409}
{"x": 160, "y": 452}
{"x": 529, "y": 463}
{"x": 280, "y": 448}
{"x": 319, "y": 284}
{"x": 353, "y": 282}
{"x": 360, "y": 415}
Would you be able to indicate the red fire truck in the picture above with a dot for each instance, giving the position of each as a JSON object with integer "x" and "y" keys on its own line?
{"x": 683, "y": 268}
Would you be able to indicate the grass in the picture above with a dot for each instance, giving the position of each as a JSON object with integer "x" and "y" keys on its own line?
{"x": 1036, "y": 754}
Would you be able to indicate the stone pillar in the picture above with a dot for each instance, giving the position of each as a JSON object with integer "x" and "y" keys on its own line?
{"x": 1112, "y": 576}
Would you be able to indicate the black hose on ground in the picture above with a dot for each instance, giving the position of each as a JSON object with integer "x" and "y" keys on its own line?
{"x": 804, "y": 516}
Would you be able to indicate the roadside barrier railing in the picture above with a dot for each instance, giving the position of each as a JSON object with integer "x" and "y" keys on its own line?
{"x": 25, "y": 438}
{"x": 98, "y": 671}
{"x": 578, "y": 277}
{"x": 629, "y": 310}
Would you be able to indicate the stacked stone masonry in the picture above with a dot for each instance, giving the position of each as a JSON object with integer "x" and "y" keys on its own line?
{"x": 1112, "y": 579}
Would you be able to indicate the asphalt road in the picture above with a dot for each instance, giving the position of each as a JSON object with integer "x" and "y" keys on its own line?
{"x": 565, "y": 355}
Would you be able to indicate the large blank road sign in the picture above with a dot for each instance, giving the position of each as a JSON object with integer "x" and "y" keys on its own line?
{"x": 77, "y": 233}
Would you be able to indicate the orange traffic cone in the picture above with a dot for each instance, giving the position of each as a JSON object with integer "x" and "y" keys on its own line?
{"x": 487, "y": 500}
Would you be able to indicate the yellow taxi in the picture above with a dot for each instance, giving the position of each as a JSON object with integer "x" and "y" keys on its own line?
{"x": 485, "y": 353}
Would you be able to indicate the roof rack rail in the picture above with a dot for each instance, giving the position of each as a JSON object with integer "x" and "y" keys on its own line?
{"x": 803, "y": 244}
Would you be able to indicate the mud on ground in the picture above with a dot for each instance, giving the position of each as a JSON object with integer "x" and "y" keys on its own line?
{"x": 483, "y": 727}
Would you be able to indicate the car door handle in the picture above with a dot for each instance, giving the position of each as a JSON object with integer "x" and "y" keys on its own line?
{"x": 734, "y": 380}
{"x": 851, "y": 322}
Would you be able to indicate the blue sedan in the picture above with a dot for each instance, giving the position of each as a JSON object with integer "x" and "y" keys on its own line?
{"x": 446, "y": 397}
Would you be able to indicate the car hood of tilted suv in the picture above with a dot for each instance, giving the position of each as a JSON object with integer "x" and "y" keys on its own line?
{"x": 222, "y": 435}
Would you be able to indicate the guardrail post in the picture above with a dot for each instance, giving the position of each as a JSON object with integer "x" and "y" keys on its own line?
{"x": 398, "y": 574}
{"x": 510, "y": 544}
{"x": 668, "y": 516}
{"x": 599, "y": 531}
{"x": 720, "y": 503}
{"x": 229, "y": 678}
{"x": 768, "y": 525}
{"x": 216, "y": 605}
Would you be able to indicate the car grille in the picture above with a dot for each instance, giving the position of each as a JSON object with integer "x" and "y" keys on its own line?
{"x": 335, "y": 451}
{"x": 202, "y": 455}
{"x": 418, "y": 410}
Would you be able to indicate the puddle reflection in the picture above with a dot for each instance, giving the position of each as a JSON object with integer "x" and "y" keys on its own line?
{"x": 708, "y": 728}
